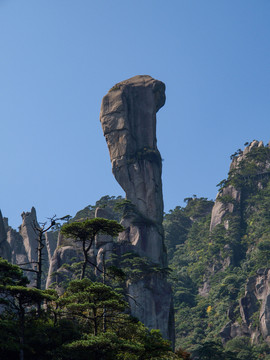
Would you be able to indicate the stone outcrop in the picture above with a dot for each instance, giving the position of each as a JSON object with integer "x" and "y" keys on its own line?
{"x": 67, "y": 252}
{"x": 228, "y": 198}
{"x": 20, "y": 248}
{"x": 18, "y": 253}
{"x": 128, "y": 118}
{"x": 257, "y": 300}
{"x": 104, "y": 245}
{"x": 220, "y": 208}
{"x": 51, "y": 243}
{"x": 28, "y": 233}
{"x": 254, "y": 310}
{"x": 5, "y": 250}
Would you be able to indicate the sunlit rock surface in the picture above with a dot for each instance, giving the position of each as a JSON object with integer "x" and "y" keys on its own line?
{"x": 128, "y": 118}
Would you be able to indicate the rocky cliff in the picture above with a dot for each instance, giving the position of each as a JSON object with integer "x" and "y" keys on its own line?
{"x": 67, "y": 253}
{"x": 5, "y": 250}
{"x": 20, "y": 247}
{"x": 128, "y": 118}
{"x": 221, "y": 261}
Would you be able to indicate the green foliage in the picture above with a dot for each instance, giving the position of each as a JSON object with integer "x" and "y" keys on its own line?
{"x": 114, "y": 88}
{"x": 88, "y": 229}
{"x": 11, "y": 274}
{"x": 212, "y": 350}
{"x": 130, "y": 211}
{"x": 110, "y": 346}
{"x": 87, "y": 301}
{"x": 146, "y": 153}
{"x": 241, "y": 347}
{"x": 210, "y": 270}
{"x": 178, "y": 222}
{"x": 107, "y": 202}
{"x": 131, "y": 266}
{"x": 72, "y": 326}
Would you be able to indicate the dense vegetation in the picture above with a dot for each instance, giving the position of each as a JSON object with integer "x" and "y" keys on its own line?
{"x": 208, "y": 271}
{"x": 89, "y": 321}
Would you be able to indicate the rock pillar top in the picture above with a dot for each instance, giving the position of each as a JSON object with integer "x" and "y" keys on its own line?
{"x": 128, "y": 118}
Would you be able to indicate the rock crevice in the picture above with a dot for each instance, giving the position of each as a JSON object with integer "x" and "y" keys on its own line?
{"x": 128, "y": 118}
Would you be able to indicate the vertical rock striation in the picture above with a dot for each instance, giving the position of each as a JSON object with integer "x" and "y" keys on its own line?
{"x": 5, "y": 250}
{"x": 128, "y": 118}
{"x": 28, "y": 233}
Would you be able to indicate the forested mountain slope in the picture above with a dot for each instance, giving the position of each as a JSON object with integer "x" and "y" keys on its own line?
{"x": 219, "y": 265}
{"x": 220, "y": 259}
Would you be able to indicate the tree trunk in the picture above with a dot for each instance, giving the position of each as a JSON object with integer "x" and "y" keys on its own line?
{"x": 95, "y": 322}
{"x": 39, "y": 268}
{"x": 104, "y": 307}
{"x": 85, "y": 254}
{"x": 22, "y": 320}
{"x": 83, "y": 270}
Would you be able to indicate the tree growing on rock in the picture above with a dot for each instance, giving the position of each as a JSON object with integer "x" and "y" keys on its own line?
{"x": 17, "y": 300}
{"x": 85, "y": 233}
{"x": 87, "y": 301}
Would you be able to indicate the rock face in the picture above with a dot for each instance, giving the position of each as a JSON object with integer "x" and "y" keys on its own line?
{"x": 67, "y": 251}
{"x": 18, "y": 253}
{"x": 20, "y": 248}
{"x": 28, "y": 234}
{"x": 220, "y": 209}
{"x": 103, "y": 246}
{"x": 230, "y": 193}
{"x": 257, "y": 299}
{"x": 64, "y": 254}
{"x": 254, "y": 304}
{"x": 128, "y": 118}
{"x": 5, "y": 250}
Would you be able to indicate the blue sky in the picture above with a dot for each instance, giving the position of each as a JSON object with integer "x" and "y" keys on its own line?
{"x": 58, "y": 58}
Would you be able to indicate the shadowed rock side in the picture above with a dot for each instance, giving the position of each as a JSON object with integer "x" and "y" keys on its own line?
{"x": 255, "y": 301}
{"x": 20, "y": 248}
{"x": 128, "y": 118}
{"x": 67, "y": 250}
{"x": 221, "y": 209}
{"x": 28, "y": 233}
{"x": 5, "y": 250}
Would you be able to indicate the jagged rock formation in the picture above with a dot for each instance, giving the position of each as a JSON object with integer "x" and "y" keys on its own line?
{"x": 5, "y": 250}
{"x": 67, "y": 252}
{"x": 254, "y": 305}
{"x": 20, "y": 248}
{"x": 51, "y": 243}
{"x": 128, "y": 118}
{"x": 227, "y": 261}
{"x": 220, "y": 209}
{"x": 229, "y": 197}
{"x": 249, "y": 174}
{"x": 18, "y": 252}
{"x": 28, "y": 233}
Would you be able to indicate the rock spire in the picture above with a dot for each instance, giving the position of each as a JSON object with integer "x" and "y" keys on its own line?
{"x": 128, "y": 118}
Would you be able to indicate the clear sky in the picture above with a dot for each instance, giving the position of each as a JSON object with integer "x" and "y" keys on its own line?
{"x": 58, "y": 58}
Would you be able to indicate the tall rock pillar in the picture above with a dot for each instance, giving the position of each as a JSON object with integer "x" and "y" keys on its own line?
{"x": 128, "y": 118}
{"x": 5, "y": 250}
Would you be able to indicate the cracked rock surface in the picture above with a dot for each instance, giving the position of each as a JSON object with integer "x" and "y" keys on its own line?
{"x": 128, "y": 118}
